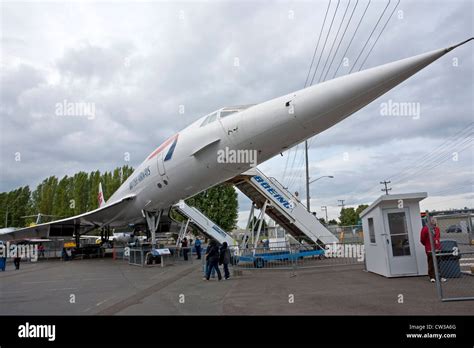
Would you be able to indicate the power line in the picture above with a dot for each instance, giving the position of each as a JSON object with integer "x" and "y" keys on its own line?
{"x": 295, "y": 148}
{"x": 452, "y": 189}
{"x": 372, "y": 32}
{"x": 433, "y": 153}
{"x": 317, "y": 44}
{"x": 358, "y": 25}
{"x": 334, "y": 41}
{"x": 325, "y": 41}
{"x": 342, "y": 38}
{"x": 352, "y": 38}
{"x": 424, "y": 158}
{"x": 388, "y": 19}
{"x": 438, "y": 159}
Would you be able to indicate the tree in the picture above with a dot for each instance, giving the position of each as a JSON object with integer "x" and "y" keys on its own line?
{"x": 14, "y": 205}
{"x": 81, "y": 193}
{"x": 219, "y": 204}
{"x": 348, "y": 217}
{"x": 360, "y": 208}
{"x": 94, "y": 180}
{"x": 43, "y": 197}
{"x": 351, "y": 216}
{"x": 77, "y": 194}
{"x": 62, "y": 200}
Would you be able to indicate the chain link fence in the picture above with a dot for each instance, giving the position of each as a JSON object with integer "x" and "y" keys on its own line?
{"x": 453, "y": 260}
{"x": 347, "y": 234}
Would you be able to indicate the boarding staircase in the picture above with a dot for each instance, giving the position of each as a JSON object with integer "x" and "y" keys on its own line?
{"x": 283, "y": 207}
{"x": 202, "y": 222}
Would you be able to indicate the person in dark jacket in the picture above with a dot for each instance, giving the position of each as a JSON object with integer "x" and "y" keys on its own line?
{"x": 212, "y": 256}
{"x": 425, "y": 240}
{"x": 224, "y": 259}
{"x": 16, "y": 262}
{"x": 213, "y": 272}
{"x": 184, "y": 246}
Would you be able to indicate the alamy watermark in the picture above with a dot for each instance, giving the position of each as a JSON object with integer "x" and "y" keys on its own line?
{"x": 75, "y": 109}
{"x": 28, "y": 330}
{"x": 336, "y": 250}
{"x": 237, "y": 156}
{"x": 28, "y": 251}
{"x": 405, "y": 109}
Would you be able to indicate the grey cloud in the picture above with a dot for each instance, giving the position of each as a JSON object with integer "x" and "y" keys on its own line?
{"x": 138, "y": 76}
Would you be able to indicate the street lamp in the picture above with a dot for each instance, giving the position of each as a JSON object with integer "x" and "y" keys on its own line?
{"x": 308, "y": 199}
{"x": 324, "y": 176}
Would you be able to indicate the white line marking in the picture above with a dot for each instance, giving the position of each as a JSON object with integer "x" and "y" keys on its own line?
{"x": 101, "y": 302}
{"x": 44, "y": 281}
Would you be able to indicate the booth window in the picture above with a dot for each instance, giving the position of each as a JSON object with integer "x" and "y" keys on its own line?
{"x": 397, "y": 224}
{"x": 371, "y": 230}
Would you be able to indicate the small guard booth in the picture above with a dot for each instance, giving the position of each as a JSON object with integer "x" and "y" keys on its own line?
{"x": 392, "y": 226}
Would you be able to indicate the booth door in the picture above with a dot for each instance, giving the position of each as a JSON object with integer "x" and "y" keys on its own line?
{"x": 400, "y": 244}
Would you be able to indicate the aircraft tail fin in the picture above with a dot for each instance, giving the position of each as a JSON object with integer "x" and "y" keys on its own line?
{"x": 100, "y": 196}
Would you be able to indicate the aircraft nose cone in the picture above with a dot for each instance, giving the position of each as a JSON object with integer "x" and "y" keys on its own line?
{"x": 325, "y": 104}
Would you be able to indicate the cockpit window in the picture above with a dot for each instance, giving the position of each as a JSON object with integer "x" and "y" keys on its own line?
{"x": 225, "y": 113}
{"x": 211, "y": 118}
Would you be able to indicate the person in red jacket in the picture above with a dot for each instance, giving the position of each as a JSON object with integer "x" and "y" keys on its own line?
{"x": 425, "y": 240}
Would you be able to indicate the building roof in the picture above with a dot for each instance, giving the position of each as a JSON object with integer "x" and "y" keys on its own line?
{"x": 418, "y": 196}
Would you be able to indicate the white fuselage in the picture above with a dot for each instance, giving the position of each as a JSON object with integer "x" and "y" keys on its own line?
{"x": 169, "y": 175}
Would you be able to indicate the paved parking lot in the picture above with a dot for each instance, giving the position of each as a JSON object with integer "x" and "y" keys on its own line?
{"x": 104, "y": 286}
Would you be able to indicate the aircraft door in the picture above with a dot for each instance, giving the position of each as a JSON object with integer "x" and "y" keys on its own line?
{"x": 161, "y": 164}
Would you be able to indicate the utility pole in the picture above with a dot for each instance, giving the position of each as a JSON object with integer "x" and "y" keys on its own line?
{"x": 325, "y": 209}
{"x": 308, "y": 206}
{"x": 386, "y": 189}
{"x": 342, "y": 203}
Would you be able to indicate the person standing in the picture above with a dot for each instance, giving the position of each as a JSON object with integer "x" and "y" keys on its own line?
{"x": 184, "y": 246}
{"x": 213, "y": 272}
{"x": 212, "y": 256}
{"x": 3, "y": 263}
{"x": 41, "y": 250}
{"x": 425, "y": 240}
{"x": 197, "y": 246}
{"x": 16, "y": 262}
{"x": 224, "y": 259}
{"x": 266, "y": 244}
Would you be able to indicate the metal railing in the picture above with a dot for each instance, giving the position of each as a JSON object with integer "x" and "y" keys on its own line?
{"x": 453, "y": 260}
{"x": 146, "y": 256}
{"x": 299, "y": 256}
{"x": 120, "y": 252}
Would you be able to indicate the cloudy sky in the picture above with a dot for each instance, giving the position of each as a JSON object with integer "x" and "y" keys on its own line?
{"x": 138, "y": 63}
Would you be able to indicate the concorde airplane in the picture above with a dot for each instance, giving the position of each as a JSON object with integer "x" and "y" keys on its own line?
{"x": 187, "y": 162}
